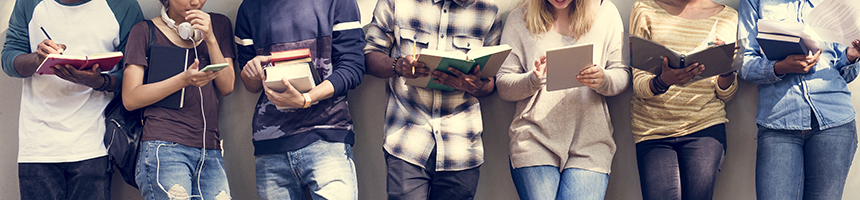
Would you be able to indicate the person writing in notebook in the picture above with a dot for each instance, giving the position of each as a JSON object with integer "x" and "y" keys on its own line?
{"x": 61, "y": 153}
{"x": 432, "y": 143}
{"x": 309, "y": 144}
{"x": 180, "y": 149}
{"x": 561, "y": 141}
{"x": 807, "y": 135}
{"x": 680, "y": 145}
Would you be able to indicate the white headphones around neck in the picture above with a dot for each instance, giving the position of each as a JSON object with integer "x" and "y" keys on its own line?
{"x": 184, "y": 29}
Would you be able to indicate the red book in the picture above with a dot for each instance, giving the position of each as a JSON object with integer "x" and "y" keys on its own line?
{"x": 106, "y": 61}
{"x": 291, "y": 54}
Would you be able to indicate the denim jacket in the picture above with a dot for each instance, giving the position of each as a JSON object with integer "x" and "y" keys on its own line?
{"x": 787, "y": 102}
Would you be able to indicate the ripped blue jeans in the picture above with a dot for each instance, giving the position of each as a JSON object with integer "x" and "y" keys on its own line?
{"x": 169, "y": 170}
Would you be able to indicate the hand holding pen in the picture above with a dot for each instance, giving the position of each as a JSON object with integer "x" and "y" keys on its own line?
{"x": 48, "y": 46}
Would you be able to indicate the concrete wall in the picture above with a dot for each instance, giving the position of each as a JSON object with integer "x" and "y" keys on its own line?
{"x": 367, "y": 103}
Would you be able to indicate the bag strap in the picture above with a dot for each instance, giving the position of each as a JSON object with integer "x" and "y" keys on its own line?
{"x": 151, "y": 37}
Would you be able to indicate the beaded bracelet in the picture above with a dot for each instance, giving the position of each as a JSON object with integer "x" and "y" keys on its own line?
{"x": 659, "y": 85}
{"x": 105, "y": 83}
{"x": 394, "y": 66}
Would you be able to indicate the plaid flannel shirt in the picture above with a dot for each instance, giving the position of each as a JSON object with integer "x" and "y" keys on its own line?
{"x": 417, "y": 119}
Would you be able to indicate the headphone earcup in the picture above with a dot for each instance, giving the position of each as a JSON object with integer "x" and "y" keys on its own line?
{"x": 185, "y": 31}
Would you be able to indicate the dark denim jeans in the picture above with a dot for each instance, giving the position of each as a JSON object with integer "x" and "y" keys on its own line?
{"x": 86, "y": 179}
{"x": 683, "y": 167}
{"x": 804, "y": 164}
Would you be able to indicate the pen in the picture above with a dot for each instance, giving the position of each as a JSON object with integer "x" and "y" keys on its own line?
{"x": 415, "y": 55}
{"x": 45, "y": 32}
{"x": 46, "y": 35}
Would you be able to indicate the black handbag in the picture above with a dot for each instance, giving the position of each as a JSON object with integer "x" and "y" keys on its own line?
{"x": 123, "y": 130}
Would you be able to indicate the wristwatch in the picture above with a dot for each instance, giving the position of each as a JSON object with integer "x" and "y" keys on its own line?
{"x": 307, "y": 100}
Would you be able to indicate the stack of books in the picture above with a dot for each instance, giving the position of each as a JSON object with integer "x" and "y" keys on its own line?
{"x": 296, "y": 66}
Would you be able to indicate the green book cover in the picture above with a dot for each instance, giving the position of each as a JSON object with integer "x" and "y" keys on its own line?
{"x": 489, "y": 58}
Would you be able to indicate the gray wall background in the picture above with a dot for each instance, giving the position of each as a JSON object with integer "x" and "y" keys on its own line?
{"x": 367, "y": 103}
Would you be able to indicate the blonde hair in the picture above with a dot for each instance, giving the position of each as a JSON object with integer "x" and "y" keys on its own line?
{"x": 539, "y": 16}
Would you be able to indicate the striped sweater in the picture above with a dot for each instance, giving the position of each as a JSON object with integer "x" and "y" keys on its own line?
{"x": 683, "y": 109}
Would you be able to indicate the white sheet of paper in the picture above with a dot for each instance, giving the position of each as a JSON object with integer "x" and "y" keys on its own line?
{"x": 836, "y": 21}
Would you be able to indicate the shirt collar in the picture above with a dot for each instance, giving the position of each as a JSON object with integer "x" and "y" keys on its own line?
{"x": 461, "y": 3}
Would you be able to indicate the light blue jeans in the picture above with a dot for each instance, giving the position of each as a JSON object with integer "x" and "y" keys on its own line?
{"x": 804, "y": 164}
{"x": 545, "y": 182}
{"x": 168, "y": 170}
{"x": 325, "y": 168}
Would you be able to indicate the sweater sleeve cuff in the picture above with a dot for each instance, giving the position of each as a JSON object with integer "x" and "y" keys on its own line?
{"x": 536, "y": 82}
{"x": 337, "y": 83}
{"x": 9, "y": 66}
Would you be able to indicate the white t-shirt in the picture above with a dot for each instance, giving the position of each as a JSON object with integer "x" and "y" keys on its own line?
{"x": 61, "y": 121}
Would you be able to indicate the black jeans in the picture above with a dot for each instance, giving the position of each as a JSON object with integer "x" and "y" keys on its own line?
{"x": 408, "y": 181}
{"x": 86, "y": 179}
{"x": 683, "y": 167}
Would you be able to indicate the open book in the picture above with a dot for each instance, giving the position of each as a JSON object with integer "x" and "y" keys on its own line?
{"x": 648, "y": 55}
{"x": 489, "y": 58}
{"x": 106, "y": 61}
{"x": 564, "y": 63}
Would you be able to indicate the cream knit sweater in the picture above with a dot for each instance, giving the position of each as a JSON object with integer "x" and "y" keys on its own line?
{"x": 565, "y": 128}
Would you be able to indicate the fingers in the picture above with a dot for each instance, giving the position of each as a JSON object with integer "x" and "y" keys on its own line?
{"x": 665, "y": 64}
{"x": 53, "y": 46}
{"x": 47, "y": 47}
{"x": 476, "y": 71}
{"x": 96, "y": 69}
{"x": 718, "y": 41}
{"x": 62, "y": 71}
{"x": 456, "y": 72}
{"x": 540, "y": 66}
{"x": 856, "y": 44}
{"x": 290, "y": 87}
{"x": 421, "y": 69}
{"x": 254, "y": 69}
{"x": 815, "y": 57}
{"x": 691, "y": 67}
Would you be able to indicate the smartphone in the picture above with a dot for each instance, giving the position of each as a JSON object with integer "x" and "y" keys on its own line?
{"x": 214, "y": 67}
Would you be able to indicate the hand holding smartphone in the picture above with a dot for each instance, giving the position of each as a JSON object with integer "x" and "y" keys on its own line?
{"x": 214, "y": 67}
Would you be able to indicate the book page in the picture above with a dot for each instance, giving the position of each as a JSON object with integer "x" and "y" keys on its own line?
{"x": 711, "y": 37}
{"x": 836, "y": 21}
{"x": 104, "y": 55}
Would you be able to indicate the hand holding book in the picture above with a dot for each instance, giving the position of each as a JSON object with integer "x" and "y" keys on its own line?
{"x": 590, "y": 76}
{"x": 796, "y": 63}
{"x": 672, "y": 76}
{"x": 471, "y": 83}
{"x": 89, "y": 77}
{"x": 290, "y": 98}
